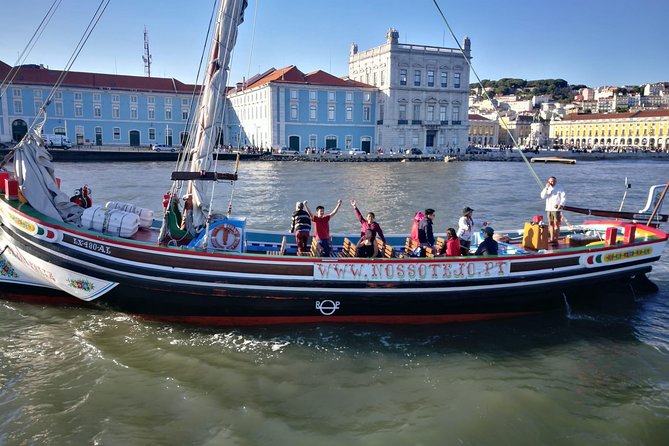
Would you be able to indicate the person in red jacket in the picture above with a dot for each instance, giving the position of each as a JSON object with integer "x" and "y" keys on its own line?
{"x": 452, "y": 243}
{"x": 368, "y": 223}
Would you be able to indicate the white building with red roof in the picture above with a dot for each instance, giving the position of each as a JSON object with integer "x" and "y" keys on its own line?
{"x": 288, "y": 108}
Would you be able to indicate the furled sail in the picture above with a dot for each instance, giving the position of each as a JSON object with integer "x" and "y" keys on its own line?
{"x": 35, "y": 173}
{"x": 212, "y": 101}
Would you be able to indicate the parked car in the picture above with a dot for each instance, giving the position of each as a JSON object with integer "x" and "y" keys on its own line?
{"x": 414, "y": 151}
{"x": 356, "y": 152}
{"x": 163, "y": 148}
{"x": 334, "y": 151}
{"x": 288, "y": 151}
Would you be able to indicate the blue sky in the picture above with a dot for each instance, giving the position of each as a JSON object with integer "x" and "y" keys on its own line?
{"x": 592, "y": 42}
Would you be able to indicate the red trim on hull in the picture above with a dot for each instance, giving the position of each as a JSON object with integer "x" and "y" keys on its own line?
{"x": 363, "y": 319}
{"x": 45, "y": 299}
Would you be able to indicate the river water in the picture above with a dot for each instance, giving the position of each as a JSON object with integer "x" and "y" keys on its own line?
{"x": 588, "y": 375}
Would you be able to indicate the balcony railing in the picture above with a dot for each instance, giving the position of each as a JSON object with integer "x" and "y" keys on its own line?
{"x": 456, "y": 122}
{"x": 402, "y": 122}
{"x": 379, "y": 122}
{"x": 416, "y": 122}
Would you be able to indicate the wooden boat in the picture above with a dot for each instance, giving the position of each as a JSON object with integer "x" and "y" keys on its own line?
{"x": 552, "y": 159}
{"x": 213, "y": 270}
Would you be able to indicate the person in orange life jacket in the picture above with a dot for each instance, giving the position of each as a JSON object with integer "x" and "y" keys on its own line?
{"x": 300, "y": 225}
{"x": 425, "y": 234}
{"x": 368, "y": 223}
{"x": 322, "y": 226}
{"x": 488, "y": 246}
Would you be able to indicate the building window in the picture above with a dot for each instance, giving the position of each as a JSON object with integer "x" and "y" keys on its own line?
{"x": 168, "y": 114}
{"x": 455, "y": 115}
{"x": 374, "y": 78}
{"x": 312, "y": 111}
{"x": 97, "y": 111}
{"x": 444, "y": 79}
{"x": 97, "y": 97}
{"x": 77, "y": 96}
{"x": 416, "y": 78}
{"x": 133, "y": 98}
{"x": 133, "y": 112}
{"x": 16, "y": 92}
{"x": 381, "y": 112}
{"x": 152, "y": 134}
{"x": 331, "y": 96}
{"x": 383, "y": 78}
{"x": 116, "y": 98}
{"x": 349, "y": 113}
{"x": 293, "y": 94}
{"x": 293, "y": 111}
{"x": 168, "y": 101}
{"x": 184, "y": 114}
{"x": 402, "y": 140}
{"x": 416, "y": 112}
{"x": 150, "y": 99}
{"x": 430, "y": 113}
{"x": 348, "y": 142}
{"x": 330, "y": 141}
{"x": 312, "y": 95}
{"x": 430, "y": 78}
{"x": 402, "y": 111}
{"x": 58, "y": 106}
{"x": 403, "y": 76}
{"x": 151, "y": 114}
{"x": 116, "y": 111}
{"x": 456, "y": 80}
{"x": 78, "y": 110}
{"x": 366, "y": 113}
{"x": 37, "y": 93}
{"x": 37, "y": 105}
{"x": 185, "y": 102}
{"x": 18, "y": 106}
{"x": 313, "y": 140}
{"x": 367, "y": 97}
{"x": 414, "y": 139}
{"x": 349, "y": 96}
{"x": 59, "y": 131}
{"x": 331, "y": 112}
{"x": 59, "y": 95}
{"x": 117, "y": 133}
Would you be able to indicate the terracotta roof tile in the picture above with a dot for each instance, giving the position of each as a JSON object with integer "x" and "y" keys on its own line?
{"x": 37, "y": 75}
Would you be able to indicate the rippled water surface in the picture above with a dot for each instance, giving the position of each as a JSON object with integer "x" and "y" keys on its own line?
{"x": 594, "y": 375}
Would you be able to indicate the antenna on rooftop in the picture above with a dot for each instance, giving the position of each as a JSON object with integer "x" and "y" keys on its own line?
{"x": 147, "y": 55}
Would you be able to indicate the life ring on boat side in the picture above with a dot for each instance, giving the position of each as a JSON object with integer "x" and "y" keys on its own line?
{"x": 225, "y": 236}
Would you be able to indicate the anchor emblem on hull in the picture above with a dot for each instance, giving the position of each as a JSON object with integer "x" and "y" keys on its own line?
{"x": 327, "y": 307}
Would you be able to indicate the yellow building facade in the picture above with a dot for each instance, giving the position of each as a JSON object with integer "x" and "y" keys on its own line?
{"x": 647, "y": 130}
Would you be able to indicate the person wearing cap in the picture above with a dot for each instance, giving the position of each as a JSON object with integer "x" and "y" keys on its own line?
{"x": 488, "y": 246}
{"x": 466, "y": 226}
{"x": 301, "y": 226}
{"x": 555, "y": 198}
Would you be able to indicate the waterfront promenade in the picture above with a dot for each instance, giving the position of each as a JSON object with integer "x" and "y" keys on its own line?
{"x": 130, "y": 154}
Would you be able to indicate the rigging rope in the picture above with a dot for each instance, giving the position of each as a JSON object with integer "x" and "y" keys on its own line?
{"x": 11, "y": 75}
{"x": 40, "y": 117}
{"x": 499, "y": 118}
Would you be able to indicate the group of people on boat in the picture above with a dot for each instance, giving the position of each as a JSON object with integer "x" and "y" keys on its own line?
{"x": 458, "y": 242}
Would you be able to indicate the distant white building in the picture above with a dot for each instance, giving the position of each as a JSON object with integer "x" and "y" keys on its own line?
{"x": 423, "y": 93}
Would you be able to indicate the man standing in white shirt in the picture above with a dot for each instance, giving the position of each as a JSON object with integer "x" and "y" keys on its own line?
{"x": 555, "y": 198}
